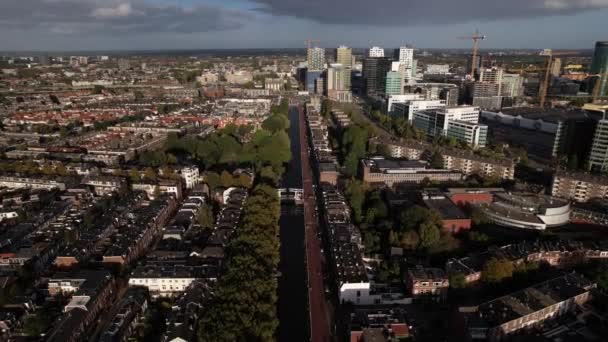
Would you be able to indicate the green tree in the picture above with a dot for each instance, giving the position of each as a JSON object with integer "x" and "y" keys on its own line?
{"x": 244, "y": 180}
{"x": 326, "y": 108}
{"x": 275, "y": 123}
{"x": 61, "y": 170}
{"x": 213, "y": 180}
{"x": 355, "y": 193}
{"x": 496, "y": 270}
{"x": 458, "y": 281}
{"x": 47, "y": 169}
{"x": 409, "y": 240}
{"x": 413, "y": 217}
{"x": 226, "y": 179}
{"x": 478, "y": 217}
{"x": 429, "y": 234}
{"x": 437, "y": 160}
{"x": 205, "y": 218}
{"x": 134, "y": 175}
{"x": 149, "y": 174}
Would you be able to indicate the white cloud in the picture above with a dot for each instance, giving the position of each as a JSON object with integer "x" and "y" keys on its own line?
{"x": 122, "y": 10}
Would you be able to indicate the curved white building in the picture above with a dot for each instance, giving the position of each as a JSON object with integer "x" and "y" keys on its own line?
{"x": 527, "y": 211}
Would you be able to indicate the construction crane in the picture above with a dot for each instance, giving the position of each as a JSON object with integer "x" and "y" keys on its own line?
{"x": 545, "y": 85}
{"x": 309, "y": 42}
{"x": 475, "y": 38}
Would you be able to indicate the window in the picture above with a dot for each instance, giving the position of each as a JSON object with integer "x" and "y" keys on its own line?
{"x": 358, "y": 294}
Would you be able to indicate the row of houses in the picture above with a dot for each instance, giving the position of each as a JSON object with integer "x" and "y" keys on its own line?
{"x": 554, "y": 253}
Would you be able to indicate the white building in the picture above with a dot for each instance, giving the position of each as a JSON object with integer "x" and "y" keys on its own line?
{"x": 32, "y": 183}
{"x": 370, "y": 294}
{"x": 376, "y": 52}
{"x": 407, "y": 109}
{"x": 402, "y": 98}
{"x": 8, "y": 215}
{"x": 405, "y": 56}
{"x": 460, "y": 123}
{"x": 162, "y": 286}
{"x": 239, "y": 77}
{"x": 474, "y": 134}
{"x": 274, "y": 84}
{"x": 437, "y": 69}
{"x": 191, "y": 176}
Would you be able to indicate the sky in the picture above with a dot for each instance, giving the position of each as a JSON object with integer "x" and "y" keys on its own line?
{"x": 70, "y": 25}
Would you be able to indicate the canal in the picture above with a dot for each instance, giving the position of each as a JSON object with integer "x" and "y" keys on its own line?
{"x": 292, "y": 288}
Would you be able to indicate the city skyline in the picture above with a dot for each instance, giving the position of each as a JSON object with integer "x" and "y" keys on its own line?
{"x": 68, "y": 25}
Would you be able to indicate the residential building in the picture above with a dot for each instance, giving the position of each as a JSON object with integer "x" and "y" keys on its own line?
{"x": 190, "y": 176}
{"x": 344, "y": 56}
{"x": 336, "y": 83}
{"x": 31, "y": 183}
{"x": 427, "y": 283}
{"x": 405, "y": 56}
{"x": 393, "y": 172}
{"x": 104, "y": 185}
{"x": 274, "y": 84}
{"x": 316, "y": 59}
{"x": 497, "y": 319}
{"x": 377, "y": 324}
{"x": 92, "y": 297}
{"x": 320, "y": 86}
{"x": 376, "y": 51}
{"x": 558, "y": 254}
{"x": 170, "y": 280}
{"x": 126, "y": 315}
{"x": 347, "y": 255}
{"x": 466, "y": 162}
{"x": 578, "y": 186}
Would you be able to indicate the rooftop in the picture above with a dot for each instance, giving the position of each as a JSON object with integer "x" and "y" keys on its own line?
{"x": 530, "y": 300}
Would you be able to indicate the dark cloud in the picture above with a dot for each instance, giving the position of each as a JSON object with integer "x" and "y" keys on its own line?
{"x": 113, "y": 17}
{"x": 422, "y": 12}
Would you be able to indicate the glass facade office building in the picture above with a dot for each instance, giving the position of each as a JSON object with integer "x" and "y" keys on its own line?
{"x": 599, "y": 65}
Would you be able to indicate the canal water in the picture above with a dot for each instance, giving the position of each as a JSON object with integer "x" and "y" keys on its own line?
{"x": 292, "y": 304}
